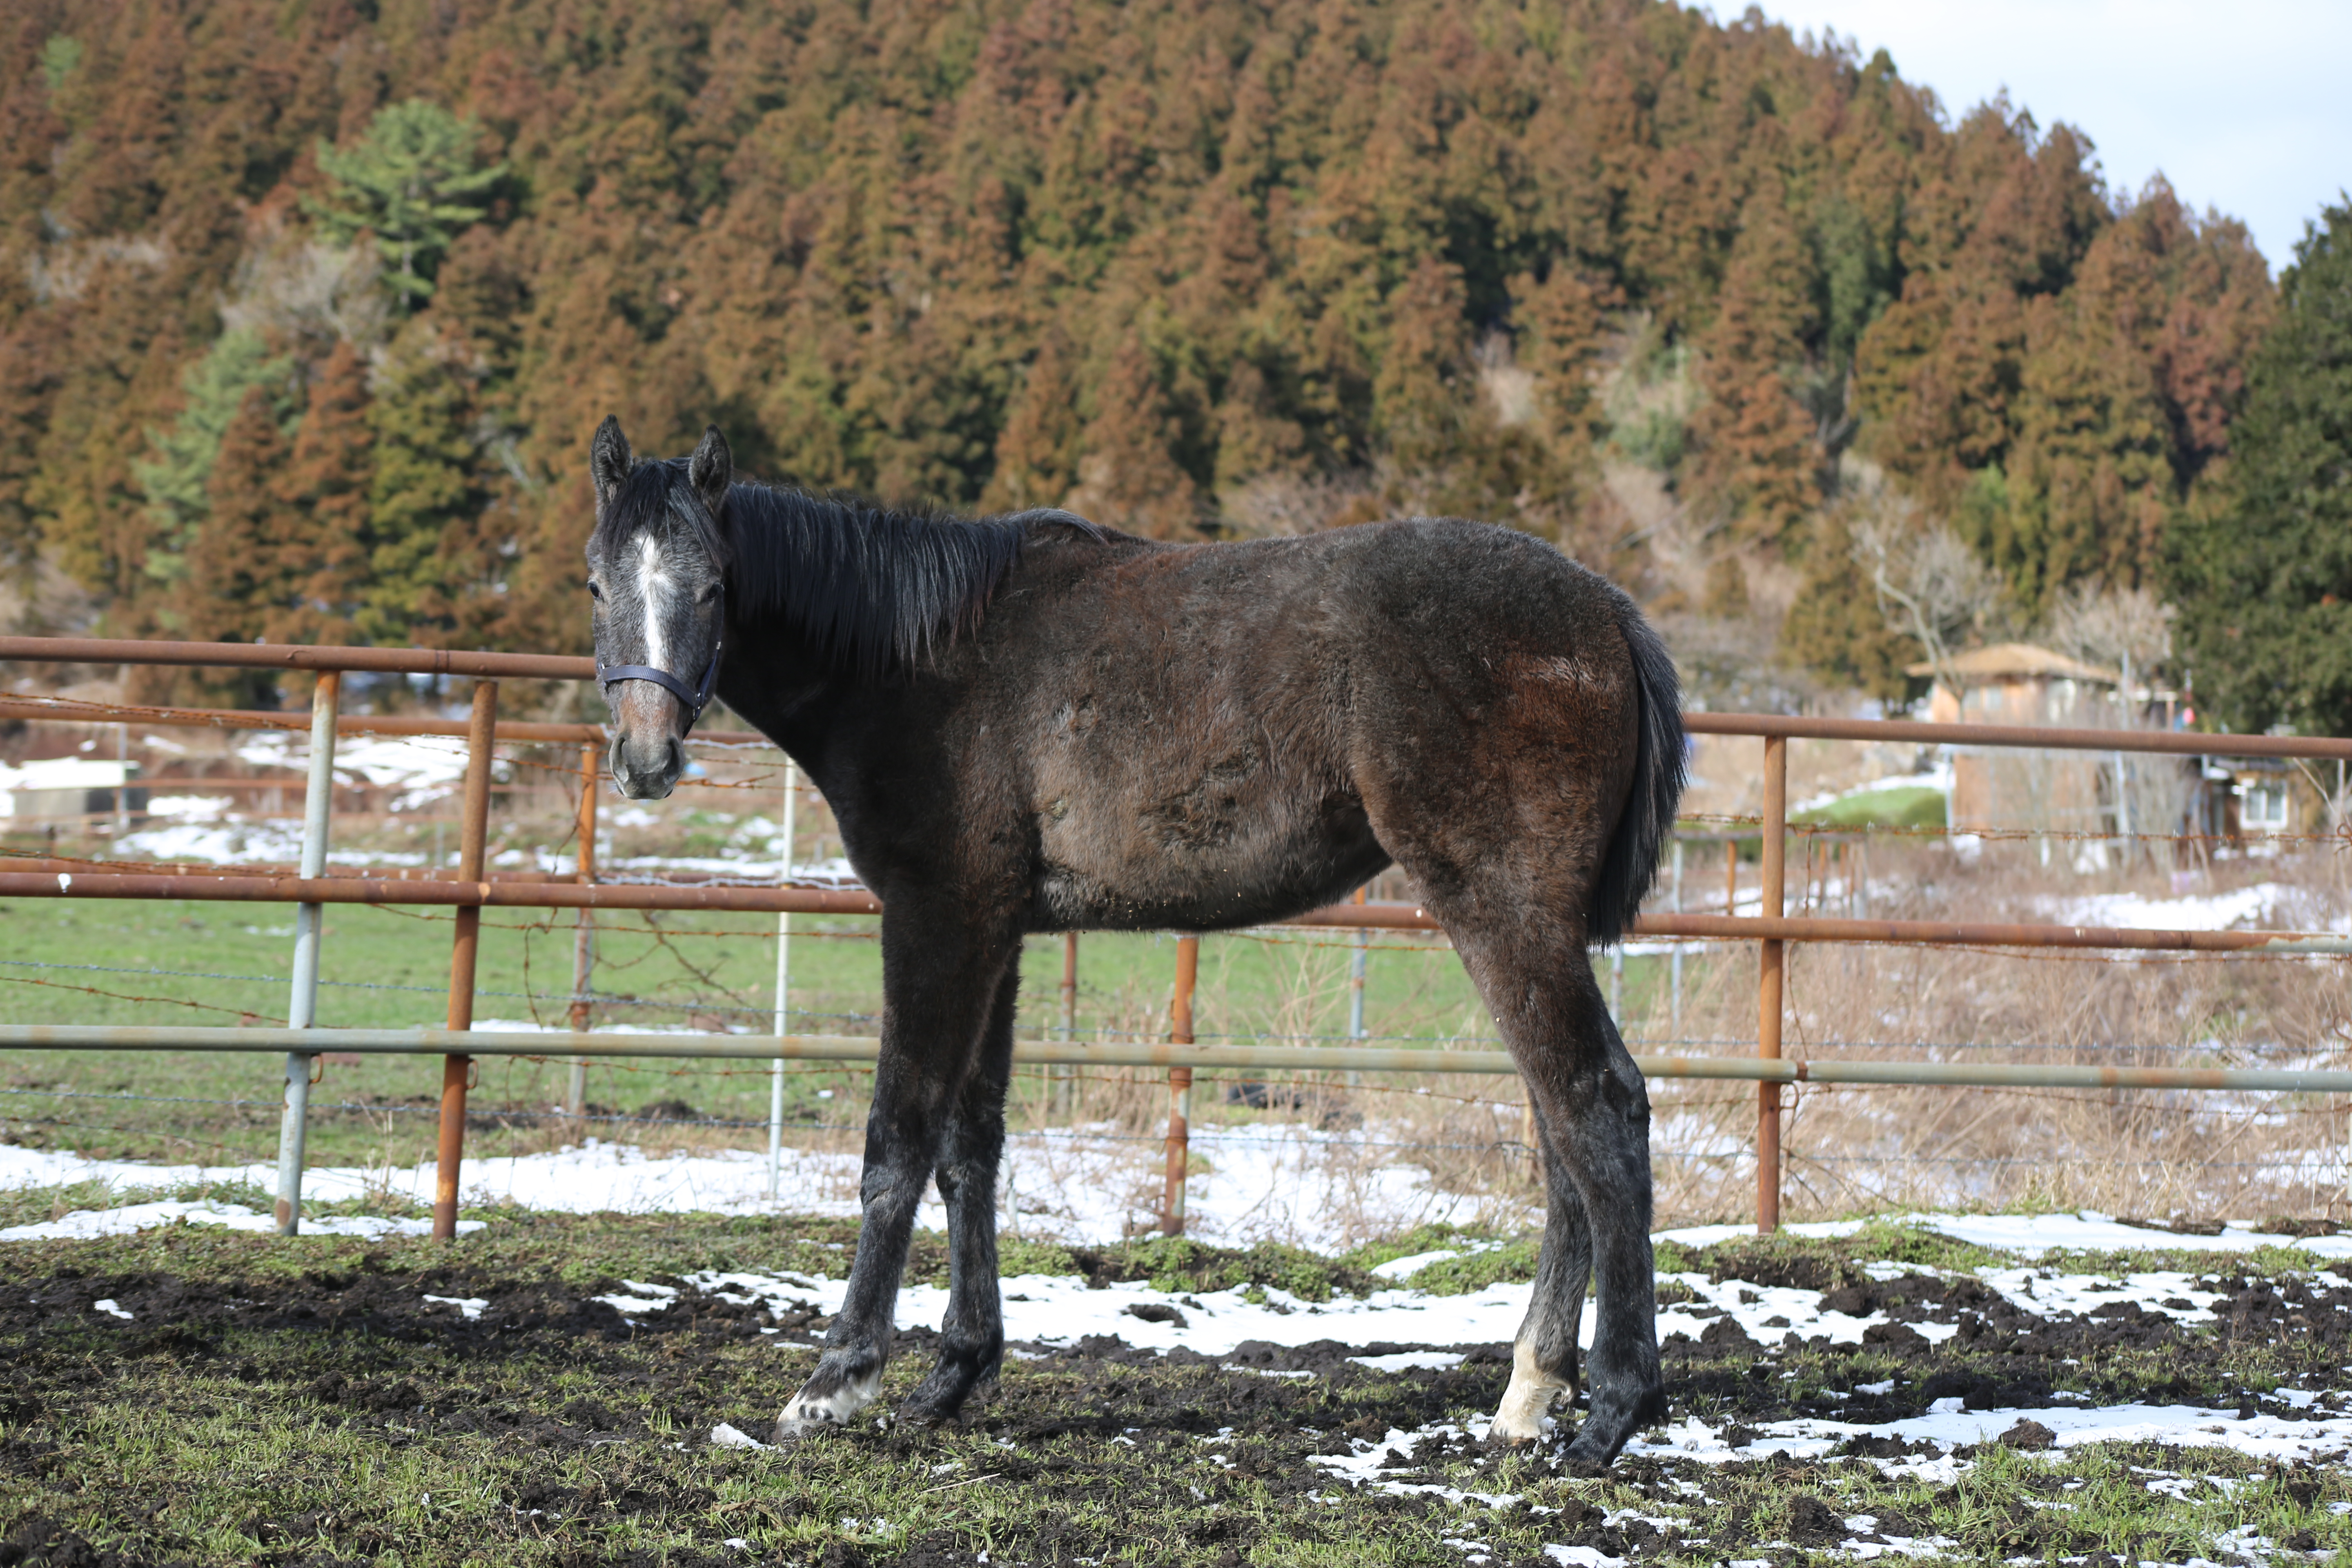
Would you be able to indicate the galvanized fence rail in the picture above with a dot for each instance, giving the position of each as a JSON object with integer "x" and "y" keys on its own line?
{"x": 473, "y": 888}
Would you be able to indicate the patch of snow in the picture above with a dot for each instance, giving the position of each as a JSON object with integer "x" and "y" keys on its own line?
{"x": 86, "y": 1225}
{"x": 189, "y": 807}
{"x": 469, "y": 1305}
{"x": 1060, "y": 1309}
{"x": 1584, "y": 1556}
{"x": 1410, "y": 1361}
{"x": 2200, "y": 911}
{"x": 1265, "y": 1182}
{"x": 2031, "y": 1235}
{"x": 2185, "y": 1426}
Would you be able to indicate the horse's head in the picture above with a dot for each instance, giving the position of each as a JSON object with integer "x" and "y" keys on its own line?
{"x": 658, "y": 575}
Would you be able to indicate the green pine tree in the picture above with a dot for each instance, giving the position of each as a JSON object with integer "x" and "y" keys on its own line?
{"x": 176, "y": 479}
{"x": 237, "y": 585}
{"x": 411, "y": 181}
{"x": 2263, "y": 573}
{"x": 425, "y": 496}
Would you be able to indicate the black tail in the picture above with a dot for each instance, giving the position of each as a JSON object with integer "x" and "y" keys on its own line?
{"x": 1632, "y": 863}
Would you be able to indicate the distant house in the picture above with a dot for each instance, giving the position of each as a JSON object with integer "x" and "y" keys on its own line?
{"x": 55, "y": 787}
{"x": 2021, "y": 684}
{"x": 2016, "y": 683}
{"x": 2268, "y": 797}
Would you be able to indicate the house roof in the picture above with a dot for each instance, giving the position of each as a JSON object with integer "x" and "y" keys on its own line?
{"x": 2019, "y": 661}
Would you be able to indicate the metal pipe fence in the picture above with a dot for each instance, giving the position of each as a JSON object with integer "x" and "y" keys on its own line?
{"x": 475, "y": 888}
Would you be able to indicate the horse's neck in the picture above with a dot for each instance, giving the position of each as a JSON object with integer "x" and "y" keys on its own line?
{"x": 776, "y": 680}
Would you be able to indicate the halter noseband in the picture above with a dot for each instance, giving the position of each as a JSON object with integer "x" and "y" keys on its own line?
{"x": 696, "y": 701}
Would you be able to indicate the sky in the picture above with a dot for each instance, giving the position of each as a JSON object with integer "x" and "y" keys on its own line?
{"x": 2243, "y": 107}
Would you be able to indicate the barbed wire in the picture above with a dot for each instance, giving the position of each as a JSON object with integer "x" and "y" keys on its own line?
{"x": 1101, "y": 1033}
{"x": 2340, "y": 838}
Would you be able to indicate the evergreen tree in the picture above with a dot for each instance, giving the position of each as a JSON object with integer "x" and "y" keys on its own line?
{"x": 1836, "y": 627}
{"x": 1424, "y": 392}
{"x": 178, "y": 477}
{"x": 411, "y": 181}
{"x": 2263, "y": 573}
{"x": 236, "y": 585}
{"x": 322, "y": 556}
{"x": 426, "y": 496}
{"x": 1037, "y": 454}
{"x": 1127, "y": 475}
{"x": 845, "y": 246}
{"x": 1758, "y": 456}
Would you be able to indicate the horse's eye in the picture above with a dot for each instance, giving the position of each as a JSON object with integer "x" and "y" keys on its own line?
{"x": 710, "y": 595}
{"x": 594, "y": 591}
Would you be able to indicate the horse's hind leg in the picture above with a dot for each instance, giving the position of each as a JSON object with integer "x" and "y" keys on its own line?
{"x": 1543, "y": 1358}
{"x": 972, "y": 1336}
{"x": 1595, "y": 1113}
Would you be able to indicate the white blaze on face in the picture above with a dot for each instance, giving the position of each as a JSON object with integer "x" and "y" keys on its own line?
{"x": 653, "y": 594}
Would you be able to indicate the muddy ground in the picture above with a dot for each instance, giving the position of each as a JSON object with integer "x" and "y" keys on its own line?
{"x": 313, "y": 1405}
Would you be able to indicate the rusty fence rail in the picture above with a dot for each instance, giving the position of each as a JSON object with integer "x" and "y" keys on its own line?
{"x": 1174, "y": 1056}
{"x": 473, "y": 888}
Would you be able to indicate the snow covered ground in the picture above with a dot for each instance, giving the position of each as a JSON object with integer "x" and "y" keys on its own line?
{"x": 1262, "y": 1179}
{"x": 1289, "y": 1183}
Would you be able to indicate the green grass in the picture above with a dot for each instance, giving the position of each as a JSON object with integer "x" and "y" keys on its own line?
{"x": 389, "y": 968}
{"x": 1909, "y": 806}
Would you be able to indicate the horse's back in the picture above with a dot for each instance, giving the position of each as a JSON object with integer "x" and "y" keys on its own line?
{"x": 1231, "y": 732}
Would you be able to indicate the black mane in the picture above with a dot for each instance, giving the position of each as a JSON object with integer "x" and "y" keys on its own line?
{"x": 872, "y": 587}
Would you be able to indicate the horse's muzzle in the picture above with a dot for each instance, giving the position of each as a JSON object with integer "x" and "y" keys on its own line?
{"x": 646, "y": 767}
{"x": 648, "y": 740}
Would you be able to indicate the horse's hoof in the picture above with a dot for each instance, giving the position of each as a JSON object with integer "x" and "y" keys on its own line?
{"x": 805, "y": 1419}
{"x": 931, "y": 1407}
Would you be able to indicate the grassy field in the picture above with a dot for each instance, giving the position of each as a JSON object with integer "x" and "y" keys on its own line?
{"x": 96, "y": 963}
{"x": 309, "y": 1404}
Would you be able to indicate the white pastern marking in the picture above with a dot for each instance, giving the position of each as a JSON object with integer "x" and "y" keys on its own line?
{"x": 653, "y": 592}
{"x": 834, "y": 1409}
{"x": 1520, "y": 1417}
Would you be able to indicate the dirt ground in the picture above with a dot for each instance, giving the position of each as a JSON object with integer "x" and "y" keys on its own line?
{"x": 189, "y": 1396}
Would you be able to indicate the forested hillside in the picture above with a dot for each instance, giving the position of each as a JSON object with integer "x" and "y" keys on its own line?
{"x": 307, "y": 310}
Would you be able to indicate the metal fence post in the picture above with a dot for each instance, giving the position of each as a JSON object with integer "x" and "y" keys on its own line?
{"x": 480, "y": 737}
{"x": 302, "y": 1005}
{"x": 1180, "y": 1087}
{"x": 1356, "y": 965}
{"x": 584, "y": 937}
{"x": 1772, "y": 957}
{"x": 1065, "y": 1074}
{"x": 783, "y": 978}
{"x": 1675, "y": 964}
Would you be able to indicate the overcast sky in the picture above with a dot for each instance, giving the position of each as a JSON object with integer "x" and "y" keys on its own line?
{"x": 2245, "y": 107}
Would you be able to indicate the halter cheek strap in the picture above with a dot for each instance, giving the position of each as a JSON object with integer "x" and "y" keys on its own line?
{"x": 696, "y": 699}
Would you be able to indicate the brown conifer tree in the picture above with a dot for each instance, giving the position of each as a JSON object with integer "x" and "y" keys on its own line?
{"x": 1037, "y": 454}
{"x": 1757, "y": 452}
{"x": 322, "y": 557}
{"x": 1128, "y": 474}
{"x": 237, "y": 585}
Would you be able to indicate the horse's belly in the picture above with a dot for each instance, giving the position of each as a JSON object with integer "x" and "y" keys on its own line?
{"x": 1201, "y": 863}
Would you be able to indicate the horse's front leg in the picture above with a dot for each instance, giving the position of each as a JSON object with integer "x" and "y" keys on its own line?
{"x": 939, "y": 980}
{"x": 972, "y": 1335}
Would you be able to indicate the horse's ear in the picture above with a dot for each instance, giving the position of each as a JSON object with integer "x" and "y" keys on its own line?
{"x": 711, "y": 470}
{"x": 608, "y": 459}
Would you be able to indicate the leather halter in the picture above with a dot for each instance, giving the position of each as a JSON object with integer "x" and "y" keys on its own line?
{"x": 696, "y": 699}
